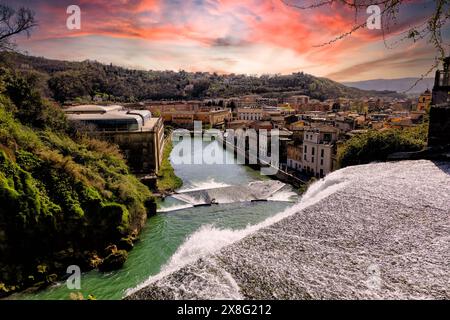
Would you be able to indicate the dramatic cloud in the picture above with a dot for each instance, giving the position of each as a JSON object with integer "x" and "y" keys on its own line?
{"x": 253, "y": 36}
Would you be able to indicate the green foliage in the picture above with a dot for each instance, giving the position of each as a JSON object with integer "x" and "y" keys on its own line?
{"x": 378, "y": 145}
{"x": 167, "y": 180}
{"x": 26, "y": 102}
{"x": 62, "y": 198}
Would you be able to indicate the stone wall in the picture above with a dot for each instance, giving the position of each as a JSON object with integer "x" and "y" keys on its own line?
{"x": 439, "y": 132}
{"x": 142, "y": 149}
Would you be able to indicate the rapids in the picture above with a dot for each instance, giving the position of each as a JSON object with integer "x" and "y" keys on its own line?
{"x": 365, "y": 232}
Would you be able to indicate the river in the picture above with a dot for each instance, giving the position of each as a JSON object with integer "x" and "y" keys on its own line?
{"x": 181, "y": 233}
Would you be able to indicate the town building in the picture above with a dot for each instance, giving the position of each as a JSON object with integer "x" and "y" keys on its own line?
{"x": 254, "y": 114}
{"x": 139, "y": 135}
{"x": 294, "y": 156}
{"x": 183, "y": 115}
{"x": 319, "y": 150}
{"x": 297, "y": 100}
{"x": 424, "y": 101}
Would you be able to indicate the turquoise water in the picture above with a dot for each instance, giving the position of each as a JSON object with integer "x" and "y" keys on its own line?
{"x": 167, "y": 231}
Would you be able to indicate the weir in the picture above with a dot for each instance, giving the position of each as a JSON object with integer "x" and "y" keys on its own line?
{"x": 339, "y": 242}
{"x": 254, "y": 191}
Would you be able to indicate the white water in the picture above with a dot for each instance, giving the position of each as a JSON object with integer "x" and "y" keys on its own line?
{"x": 389, "y": 217}
{"x": 255, "y": 190}
{"x": 204, "y": 185}
{"x": 210, "y": 239}
{"x": 282, "y": 195}
{"x": 175, "y": 208}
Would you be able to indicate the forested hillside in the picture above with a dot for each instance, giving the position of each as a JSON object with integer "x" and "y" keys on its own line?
{"x": 68, "y": 82}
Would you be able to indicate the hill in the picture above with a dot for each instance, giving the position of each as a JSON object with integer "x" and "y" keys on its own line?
{"x": 67, "y": 82}
{"x": 398, "y": 85}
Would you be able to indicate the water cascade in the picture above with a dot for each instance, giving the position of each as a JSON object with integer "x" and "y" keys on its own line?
{"x": 365, "y": 232}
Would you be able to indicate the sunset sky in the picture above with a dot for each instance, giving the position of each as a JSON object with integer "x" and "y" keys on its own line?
{"x": 229, "y": 36}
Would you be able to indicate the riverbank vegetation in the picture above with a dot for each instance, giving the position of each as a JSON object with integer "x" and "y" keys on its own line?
{"x": 377, "y": 145}
{"x": 167, "y": 179}
{"x": 65, "y": 200}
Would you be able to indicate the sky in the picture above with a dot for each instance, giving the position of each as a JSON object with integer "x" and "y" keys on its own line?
{"x": 230, "y": 36}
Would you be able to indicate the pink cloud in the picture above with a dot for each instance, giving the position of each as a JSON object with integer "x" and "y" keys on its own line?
{"x": 219, "y": 23}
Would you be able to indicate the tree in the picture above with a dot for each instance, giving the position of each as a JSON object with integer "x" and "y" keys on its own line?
{"x": 29, "y": 107}
{"x": 376, "y": 145}
{"x": 14, "y": 22}
{"x": 430, "y": 30}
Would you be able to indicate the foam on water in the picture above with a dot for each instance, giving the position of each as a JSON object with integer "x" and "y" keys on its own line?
{"x": 283, "y": 195}
{"x": 256, "y": 190}
{"x": 210, "y": 239}
{"x": 175, "y": 208}
{"x": 376, "y": 231}
{"x": 204, "y": 185}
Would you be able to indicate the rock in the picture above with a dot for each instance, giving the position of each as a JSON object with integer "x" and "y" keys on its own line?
{"x": 94, "y": 261}
{"x": 126, "y": 243}
{"x": 109, "y": 250}
{"x": 114, "y": 261}
{"x": 50, "y": 279}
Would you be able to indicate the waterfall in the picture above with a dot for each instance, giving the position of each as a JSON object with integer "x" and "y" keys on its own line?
{"x": 257, "y": 190}
{"x": 389, "y": 217}
{"x": 209, "y": 239}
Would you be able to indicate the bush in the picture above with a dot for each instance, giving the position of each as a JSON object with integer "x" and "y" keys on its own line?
{"x": 29, "y": 107}
{"x": 378, "y": 145}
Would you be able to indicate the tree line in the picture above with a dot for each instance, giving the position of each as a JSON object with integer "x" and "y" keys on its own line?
{"x": 77, "y": 82}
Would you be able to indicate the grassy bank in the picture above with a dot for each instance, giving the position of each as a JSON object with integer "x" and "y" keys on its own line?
{"x": 167, "y": 180}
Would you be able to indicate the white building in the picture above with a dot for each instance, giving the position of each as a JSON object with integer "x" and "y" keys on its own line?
{"x": 318, "y": 150}
{"x": 252, "y": 114}
{"x": 297, "y": 100}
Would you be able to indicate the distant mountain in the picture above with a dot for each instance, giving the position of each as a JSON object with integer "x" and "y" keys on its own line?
{"x": 398, "y": 85}
{"x": 68, "y": 81}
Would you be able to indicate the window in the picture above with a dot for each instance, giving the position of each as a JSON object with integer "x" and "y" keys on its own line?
{"x": 306, "y": 149}
{"x": 321, "y": 162}
{"x": 322, "y": 152}
{"x": 312, "y": 160}
{"x": 321, "y": 172}
{"x": 304, "y": 157}
{"x": 312, "y": 151}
